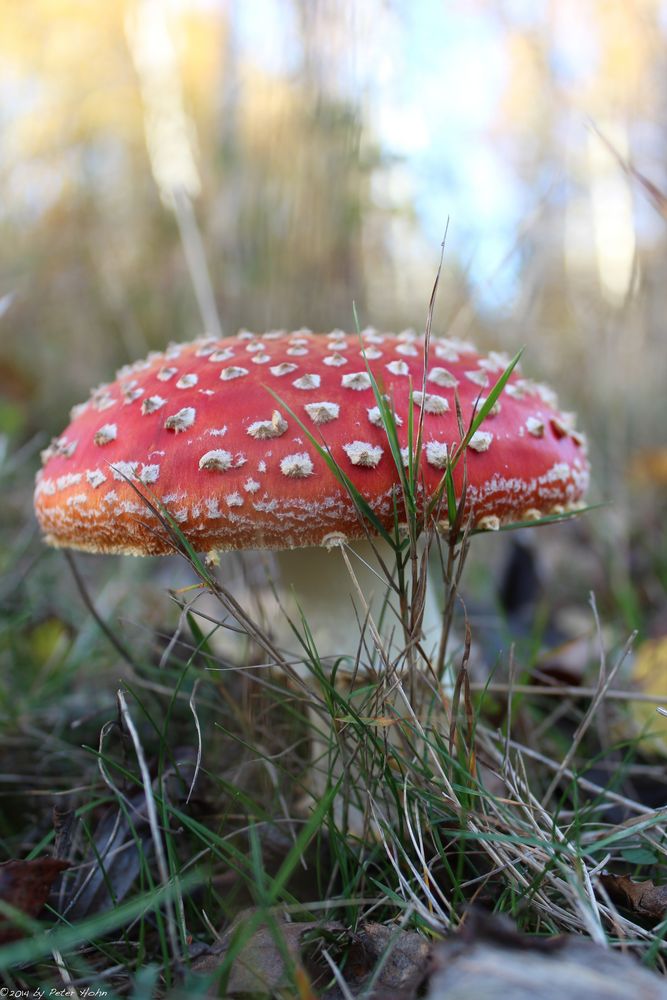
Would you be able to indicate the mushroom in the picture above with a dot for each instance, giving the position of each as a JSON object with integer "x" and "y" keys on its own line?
{"x": 222, "y": 433}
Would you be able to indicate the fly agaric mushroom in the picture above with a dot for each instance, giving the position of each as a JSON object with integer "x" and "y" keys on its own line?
{"x": 208, "y": 428}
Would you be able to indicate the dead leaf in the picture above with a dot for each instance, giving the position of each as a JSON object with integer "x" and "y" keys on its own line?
{"x": 112, "y": 862}
{"x": 119, "y": 844}
{"x": 64, "y": 821}
{"x": 26, "y": 885}
{"x": 649, "y": 468}
{"x": 518, "y": 966}
{"x": 565, "y": 663}
{"x": 649, "y": 673}
{"x": 404, "y": 955}
{"x": 644, "y": 898}
{"x": 260, "y": 968}
{"x": 498, "y": 928}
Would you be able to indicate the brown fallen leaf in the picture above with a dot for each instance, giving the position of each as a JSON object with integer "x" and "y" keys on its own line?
{"x": 260, "y": 969}
{"x": 490, "y": 958}
{"x": 26, "y": 885}
{"x": 403, "y": 954}
{"x": 644, "y": 898}
{"x": 107, "y": 870}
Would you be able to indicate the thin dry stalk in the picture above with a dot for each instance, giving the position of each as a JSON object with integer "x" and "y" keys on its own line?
{"x": 566, "y": 691}
{"x": 508, "y": 712}
{"x": 195, "y": 255}
{"x": 193, "y": 709}
{"x": 452, "y": 572}
{"x": 69, "y": 987}
{"x": 584, "y": 783}
{"x": 156, "y": 836}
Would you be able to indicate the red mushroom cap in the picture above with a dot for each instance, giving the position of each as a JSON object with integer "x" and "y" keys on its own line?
{"x": 197, "y": 428}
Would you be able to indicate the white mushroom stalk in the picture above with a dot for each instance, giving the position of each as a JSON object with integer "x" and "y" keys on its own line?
{"x": 341, "y": 596}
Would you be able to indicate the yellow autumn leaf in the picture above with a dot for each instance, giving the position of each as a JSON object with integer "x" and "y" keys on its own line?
{"x": 649, "y": 674}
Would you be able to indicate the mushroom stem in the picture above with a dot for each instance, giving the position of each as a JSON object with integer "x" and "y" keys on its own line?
{"x": 318, "y": 590}
{"x": 341, "y": 597}
{"x": 344, "y": 598}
